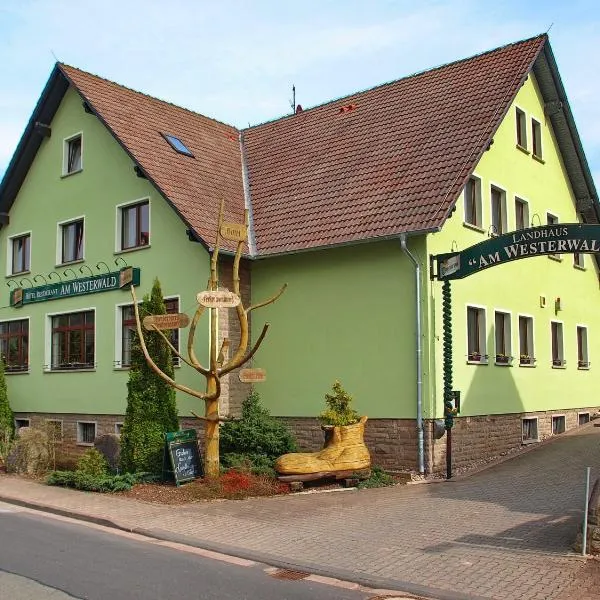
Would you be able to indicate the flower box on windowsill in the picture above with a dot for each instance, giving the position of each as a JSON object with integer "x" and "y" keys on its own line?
{"x": 558, "y": 362}
{"x": 527, "y": 360}
{"x": 503, "y": 359}
{"x": 583, "y": 364}
{"x": 475, "y": 357}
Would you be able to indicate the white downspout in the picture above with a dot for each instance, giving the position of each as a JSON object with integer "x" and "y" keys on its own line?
{"x": 420, "y": 440}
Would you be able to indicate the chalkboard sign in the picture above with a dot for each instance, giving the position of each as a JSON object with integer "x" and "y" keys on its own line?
{"x": 184, "y": 456}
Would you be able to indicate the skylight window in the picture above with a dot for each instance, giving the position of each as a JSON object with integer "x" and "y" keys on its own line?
{"x": 177, "y": 144}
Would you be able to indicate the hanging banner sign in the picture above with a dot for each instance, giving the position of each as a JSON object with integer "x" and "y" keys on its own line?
{"x": 174, "y": 321}
{"x": 218, "y": 299}
{"x": 568, "y": 238}
{"x": 234, "y": 232}
{"x": 76, "y": 287}
{"x": 253, "y": 375}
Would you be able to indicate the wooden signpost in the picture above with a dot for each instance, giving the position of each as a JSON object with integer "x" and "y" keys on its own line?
{"x": 236, "y": 232}
{"x": 253, "y": 375}
{"x": 181, "y": 447}
{"x": 218, "y": 299}
{"x": 174, "y": 321}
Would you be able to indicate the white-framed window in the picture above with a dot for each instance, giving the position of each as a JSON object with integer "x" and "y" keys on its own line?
{"x": 133, "y": 225}
{"x": 14, "y": 345}
{"x": 20, "y": 423}
{"x": 579, "y": 260}
{"x": 536, "y": 138}
{"x": 19, "y": 254}
{"x": 498, "y": 208}
{"x": 552, "y": 219}
{"x": 54, "y": 429}
{"x": 126, "y": 326}
{"x": 526, "y": 346}
{"x": 521, "y": 213}
{"x": 502, "y": 336}
{"x": 558, "y": 424}
{"x": 118, "y": 428}
{"x": 70, "y": 242}
{"x": 521, "y": 128}
{"x": 583, "y": 359}
{"x": 86, "y": 432}
{"x": 529, "y": 428}
{"x": 73, "y": 154}
{"x": 71, "y": 341}
{"x": 558, "y": 353}
{"x": 583, "y": 418}
{"x": 476, "y": 335}
{"x": 473, "y": 211}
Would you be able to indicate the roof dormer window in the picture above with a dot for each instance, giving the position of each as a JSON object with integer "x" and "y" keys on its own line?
{"x": 177, "y": 145}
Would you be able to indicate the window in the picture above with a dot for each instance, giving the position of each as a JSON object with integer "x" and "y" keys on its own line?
{"x": 118, "y": 428}
{"x": 14, "y": 345}
{"x": 177, "y": 145}
{"x": 552, "y": 220}
{"x": 135, "y": 225}
{"x": 54, "y": 429}
{"x": 72, "y": 162}
{"x": 556, "y": 330}
{"x": 86, "y": 432}
{"x": 71, "y": 241}
{"x": 498, "y": 211}
{"x": 473, "y": 202}
{"x": 530, "y": 429}
{"x": 526, "y": 355}
{"x": 583, "y": 418}
{"x": 502, "y": 337}
{"x": 536, "y": 137}
{"x": 128, "y": 326}
{"x": 73, "y": 341}
{"x": 20, "y": 423}
{"x": 521, "y": 214}
{"x": 20, "y": 252}
{"x": 521, "y": 129}
{"x": 476, "y": 335}
{"x": 558, "y": 424}
{"x": 578, "y": 260}
{"x": 582, "y": 348}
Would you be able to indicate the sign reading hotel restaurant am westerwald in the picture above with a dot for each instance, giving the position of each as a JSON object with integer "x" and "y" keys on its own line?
{"x": 76, "y": 287}
{"x": 568, "y": 238}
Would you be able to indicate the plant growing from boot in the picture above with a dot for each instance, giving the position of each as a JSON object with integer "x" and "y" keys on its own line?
{"x": 338, "y": 410}
{"x": 151, "y": 406}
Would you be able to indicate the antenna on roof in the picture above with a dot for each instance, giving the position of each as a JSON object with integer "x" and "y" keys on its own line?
{"x": 55, "y": 57}
{"x": 549, "y": 28}
{"x": 293, "y": 100}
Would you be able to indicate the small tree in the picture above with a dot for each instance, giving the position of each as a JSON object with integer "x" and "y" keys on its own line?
{"x": 151, "y": 406}
{"x": 339, "y": 411}
{"x": 7, "y": 419}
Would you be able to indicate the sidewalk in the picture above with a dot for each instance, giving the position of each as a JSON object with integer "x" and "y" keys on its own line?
{"x": 504, "y": 533}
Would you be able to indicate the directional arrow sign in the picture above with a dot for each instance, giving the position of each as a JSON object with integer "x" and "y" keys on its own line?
{"x": 253, "y": 375}
{"x": 218, "y": 299}
{"x": 174, "y": 321}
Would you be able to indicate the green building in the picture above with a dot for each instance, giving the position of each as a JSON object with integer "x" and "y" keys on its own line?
{"x": 347, "y": 202}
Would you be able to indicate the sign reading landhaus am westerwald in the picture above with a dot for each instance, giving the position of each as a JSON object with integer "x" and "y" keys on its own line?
{"x": 76, "y": 287}
{"x": 567, "y": 238}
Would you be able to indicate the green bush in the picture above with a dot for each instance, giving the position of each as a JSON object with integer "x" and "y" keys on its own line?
{"x": 378, "y": 478}
{"x": 89, "y": 483}
{"x": 338, "y": 410}
{"x": 7, "y": 419}
{"x": 256, "y": 438}
{"x": 257, "y": 464}
{"x": 92, "y": 463}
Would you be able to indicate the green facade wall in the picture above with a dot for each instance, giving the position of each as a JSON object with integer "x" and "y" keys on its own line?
{"x": 519, "y": 287}
{"x": 45, "y": 199}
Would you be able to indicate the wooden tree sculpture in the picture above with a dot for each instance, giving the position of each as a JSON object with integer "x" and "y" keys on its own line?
{"x": 218, "y": 366}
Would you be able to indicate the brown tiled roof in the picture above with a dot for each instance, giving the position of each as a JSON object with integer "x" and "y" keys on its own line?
{"x": 195, "y": 185}
{"x": 386, "y": 161}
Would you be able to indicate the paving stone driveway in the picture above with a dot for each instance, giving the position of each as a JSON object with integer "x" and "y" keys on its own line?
{"x": 504, "y": 533}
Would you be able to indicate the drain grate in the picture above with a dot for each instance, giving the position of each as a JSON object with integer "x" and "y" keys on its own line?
{"x": 289, "y": 574}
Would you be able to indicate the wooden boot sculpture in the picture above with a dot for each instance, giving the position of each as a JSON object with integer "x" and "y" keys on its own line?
{"x": 342, "y": 456}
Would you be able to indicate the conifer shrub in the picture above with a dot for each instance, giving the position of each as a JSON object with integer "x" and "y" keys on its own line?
{"x": 338, "y": 412}
{"x": 151, "y": 407}
{"x": 7, "y": 419}
{"x": 92, "y": 463}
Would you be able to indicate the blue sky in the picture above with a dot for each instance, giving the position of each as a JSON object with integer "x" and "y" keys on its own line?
{"x": 236, "y": 61}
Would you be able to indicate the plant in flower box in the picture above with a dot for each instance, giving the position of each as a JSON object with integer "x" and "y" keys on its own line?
{"x": 558, "y": 362}
{"x": 526, "y": 359}
{"x": 503, "y": 359}
{"x": 474, "y": 356}
{"x": 583, "y": 364}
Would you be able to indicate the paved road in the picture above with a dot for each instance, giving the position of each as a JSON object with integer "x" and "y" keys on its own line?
{"x": 46, "y": 559}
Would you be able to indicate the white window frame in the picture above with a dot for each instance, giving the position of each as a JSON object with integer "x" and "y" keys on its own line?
{"x": 482, "y": 335}
{"x": 62, "y": 428}
{"x": 540, "y": 155}
{"x": 119, "y": 224}
{"x": 59, "y": 241}
{"x": 584, "y": 363}
{"x": 478, "y": 202}
{"x": 521, "y": 124}
{"x": 537, "y": 430}
{"x": 503, "y": 212}
{"x": 531, "y": 331}
{"x": 556, "y": 418}
{"x": 555, "y": 216}
{"x": 9, "y": 253}
{"x": 507, "y": 322}
{"x": 48, "y": 340}
{"x": 581, "y": 414}
{"x": 28, "y": 319}
{"x": 526, "y": 215}
{"x": 80, "y": 430}
{"x": 561, "y": 347}
{"x": 66, "y": 141}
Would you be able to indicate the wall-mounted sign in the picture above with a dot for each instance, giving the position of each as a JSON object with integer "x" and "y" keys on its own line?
{"x": 253, "y": 375}
{"x": 76, "y": 287}
{"x": 218, "y": 299}
{"x": 174, "y": 321}
{"x": 234, "y": 232}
